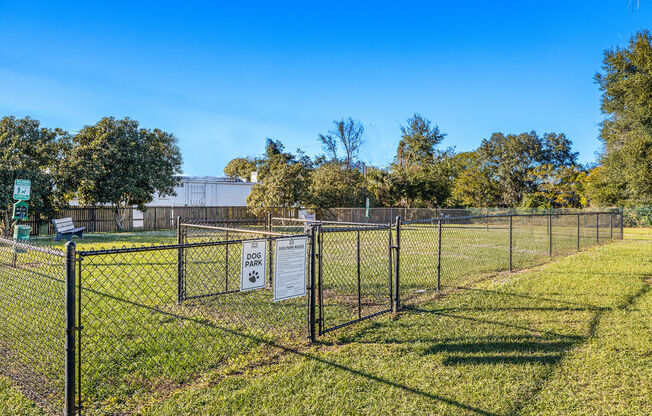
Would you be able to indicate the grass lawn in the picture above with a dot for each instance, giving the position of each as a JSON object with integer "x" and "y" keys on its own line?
{"x": 571, "y": 337}
{"x": 489, "y": 349}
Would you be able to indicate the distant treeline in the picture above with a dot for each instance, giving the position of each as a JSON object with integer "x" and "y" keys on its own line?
{"x": 511, "y": 170}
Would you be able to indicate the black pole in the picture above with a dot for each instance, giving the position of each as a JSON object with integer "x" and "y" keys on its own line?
{"x": 621, "y": 222}
{"x": 510, "y": 244}
{"x": 438, "y": 254}
{"x": 71, "y": 327}
{"x": 226, "y": 263}
{"x": 320, "y": 287}
{"x": 611, "y": 225}
{"x": 311, "y": 289}
{"x": 397, "y": 264}
{"x": 270, "y": 251}
{"x": 180, "y": 277}
{"x": 597, "y": 228}
{"x": 578, "y": 232}
{"x": 359, "y": 282}
{"x": 550, "y": 234}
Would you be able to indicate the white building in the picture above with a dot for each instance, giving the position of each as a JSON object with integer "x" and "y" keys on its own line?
{"x": 208, "y": 191}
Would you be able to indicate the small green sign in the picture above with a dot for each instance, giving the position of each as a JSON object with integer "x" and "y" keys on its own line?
{"x": 21, "y": 210}
{"x": 22, "y": 189}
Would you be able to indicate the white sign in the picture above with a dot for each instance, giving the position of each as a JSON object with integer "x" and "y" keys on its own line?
{"x": 290, "y": 268}
{"x": 22, "y": 189}
{"x": 252, "y": 274}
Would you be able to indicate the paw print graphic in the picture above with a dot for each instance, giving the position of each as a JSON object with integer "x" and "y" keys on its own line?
{"x": 253, "y": 276}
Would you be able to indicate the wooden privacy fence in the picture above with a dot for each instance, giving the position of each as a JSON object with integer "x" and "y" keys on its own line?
{"x": 102, "y": 219}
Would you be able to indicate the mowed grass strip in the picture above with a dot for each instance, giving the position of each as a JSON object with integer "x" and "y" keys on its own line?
{"x": 571, "y": 337}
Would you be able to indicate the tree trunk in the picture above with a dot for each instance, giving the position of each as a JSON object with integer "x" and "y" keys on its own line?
{"x": 7, "y": 225}
{"x": 120, "y": 218}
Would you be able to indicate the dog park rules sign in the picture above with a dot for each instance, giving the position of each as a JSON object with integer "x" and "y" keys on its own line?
{"x": 290, "y": 268}
{"x": 253, "y": 265}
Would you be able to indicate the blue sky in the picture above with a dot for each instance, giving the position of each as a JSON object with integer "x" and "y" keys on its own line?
{"x": 224, "y": 76}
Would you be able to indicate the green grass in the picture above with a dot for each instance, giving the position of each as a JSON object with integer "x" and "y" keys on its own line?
{"x": 572, "y": 337}
{"x": 139, "y": 347}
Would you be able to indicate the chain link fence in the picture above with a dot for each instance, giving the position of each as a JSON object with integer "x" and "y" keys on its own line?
{"x": 111, "y": 331}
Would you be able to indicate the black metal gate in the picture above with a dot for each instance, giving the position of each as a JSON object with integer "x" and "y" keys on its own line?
{"x": 355, "y": 274}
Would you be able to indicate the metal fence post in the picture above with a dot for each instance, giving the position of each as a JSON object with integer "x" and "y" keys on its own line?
{"x": 510, "y": 246}
{"x": 597, "y": 228}
{"x": 438, "y": 253}
{"x": 226, "y": 262}
{"x": 71, "y": 327}
{"x": 180, "y": 277}
{"x": 397, "y": 265}
{"x": 550, "y": 234}
{"x": 622, "y": 220}
{"x": 578, "y": 232}
{"x": 270, "y": 251}
{"x": 311, "y": 288}
{"x": 611, "y": 225}
{"x": 359, "y": 282}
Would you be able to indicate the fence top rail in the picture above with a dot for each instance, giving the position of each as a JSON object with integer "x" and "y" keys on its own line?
{"x": 349, "y": 229}
{"x": 163, "y": 247}
{"x": 371, "y": 224}
{"x": 31, "y": 247}
{"x": 542, "y": 214}
{"x": 238, "y": 230}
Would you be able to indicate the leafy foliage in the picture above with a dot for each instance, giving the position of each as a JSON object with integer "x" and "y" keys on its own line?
{"x": 333, "y": 185}
{"x": 116, "y": 162}
{"x": 32, "y": 152}
{"x": 283, "y": 179}
{"x": 240, "y": 168}
{"x": 626, "y": 85}
{"x": 418, "y": 142}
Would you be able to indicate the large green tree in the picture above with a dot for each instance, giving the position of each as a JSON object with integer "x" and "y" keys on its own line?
{"x": 419, "y": 140}
{"x": 240, "y": 167}
{"x": 334, "y": 185}
{"x": 421, "y": 175}
{"x": 626, "y": 85}
{"x": 117, "y": 162}
{"x": 283, "y": 179}
{"x": 475, "y": 184}
{"x": 32, "y": 152}
{"x": 512, "y": 158}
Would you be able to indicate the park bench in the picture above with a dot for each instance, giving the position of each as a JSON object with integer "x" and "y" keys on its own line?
{"x": 66, "y": 229}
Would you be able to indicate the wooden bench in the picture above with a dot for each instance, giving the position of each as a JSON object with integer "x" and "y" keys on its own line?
{"x": 66, "y": 229}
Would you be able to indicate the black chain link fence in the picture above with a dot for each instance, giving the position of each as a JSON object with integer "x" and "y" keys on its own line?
{"x": 150, "y": 320}
{"x": 32, "y": 321}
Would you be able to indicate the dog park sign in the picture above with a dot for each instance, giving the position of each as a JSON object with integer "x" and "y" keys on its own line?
{"x": 252, "y": 274}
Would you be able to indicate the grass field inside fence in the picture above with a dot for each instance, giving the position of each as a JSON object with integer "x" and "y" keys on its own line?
{"x": 138, "y": 346}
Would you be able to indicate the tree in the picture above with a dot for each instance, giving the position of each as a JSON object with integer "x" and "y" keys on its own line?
{"x": 419, "y": 140}
{"x": 348, "y": 134}
{"x": 626, "y": 85}
{"x": 333, "y": 185}
{"x": 475, "y": 184}
{"x": 511, "y": 157}
{"x": 115, "y": 162}
{"x": 556, "y": 187}
{"x": 29, "y": 152}
{"x": 240, "y": 168}
{"x": 282, "y": 179}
